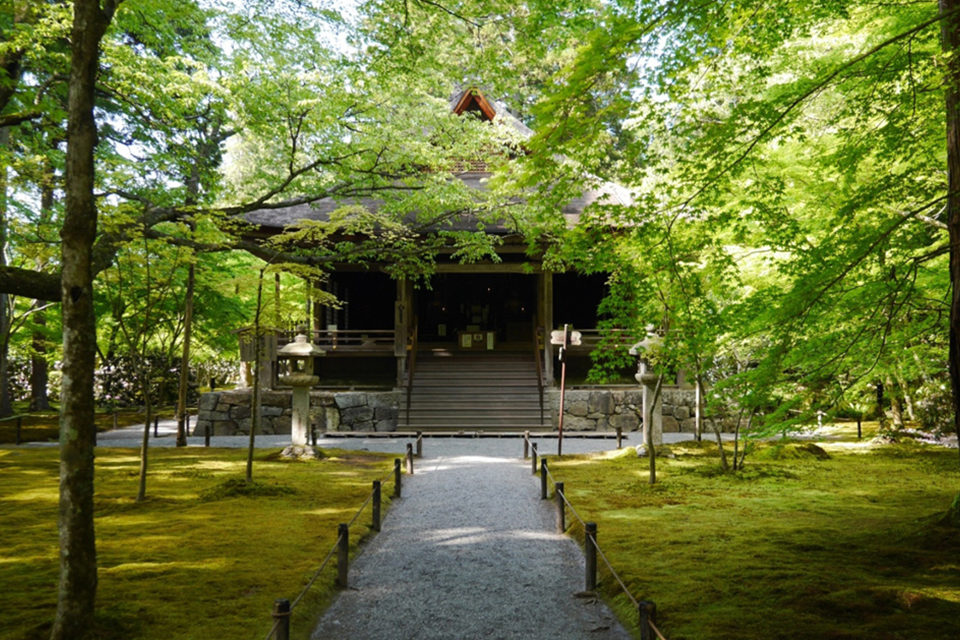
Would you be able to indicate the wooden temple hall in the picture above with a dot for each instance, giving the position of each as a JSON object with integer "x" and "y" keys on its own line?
{"x": 472, "y": 346}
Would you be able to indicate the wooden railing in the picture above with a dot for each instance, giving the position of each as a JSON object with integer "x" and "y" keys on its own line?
{"x": 347, "y": 340}
{"x": 591, "y": 338}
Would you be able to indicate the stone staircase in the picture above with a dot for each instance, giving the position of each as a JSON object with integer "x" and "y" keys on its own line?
{"x": 463, "y": 391}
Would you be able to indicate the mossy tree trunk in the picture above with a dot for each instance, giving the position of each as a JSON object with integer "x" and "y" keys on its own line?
{"x": 6, "y": 405}
{"x": 950, "y": 42}
{"x": 78, "y": 558}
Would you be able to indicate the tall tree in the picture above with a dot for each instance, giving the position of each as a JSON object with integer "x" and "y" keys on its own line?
{"x": 78, "y": 557}
{"x": 950, "y": 36}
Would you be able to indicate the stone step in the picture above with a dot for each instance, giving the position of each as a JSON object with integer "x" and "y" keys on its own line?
{"x": 474, "y": 391}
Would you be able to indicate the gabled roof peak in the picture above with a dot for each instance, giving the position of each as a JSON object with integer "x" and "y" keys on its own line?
{"x": 473, "y": 100}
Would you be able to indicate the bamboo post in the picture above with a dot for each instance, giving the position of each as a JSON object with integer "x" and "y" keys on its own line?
{"x": 561, "y": 511}
{"x": 419, "y": 444}
{"x": 526, "y": 445}
{"x": 533, "y": 457}
{"x": 376, "y": 506}
{"x": 647, "y": 611}
{"x": 409, "y": 457}
{"x": 343, "y": 555}
{"x": 281, "y": 616}
{"x": 590, "y": 555}
{"x": 396, "y": 478}
{"x": 543, "y": 479}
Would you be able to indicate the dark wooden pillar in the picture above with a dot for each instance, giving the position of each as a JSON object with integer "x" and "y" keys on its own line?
{"x": 545, "y": 316}
{"x": 401, "y": 328}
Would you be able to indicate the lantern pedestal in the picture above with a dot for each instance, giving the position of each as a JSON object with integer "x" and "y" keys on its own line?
{"x": 300, "y": 420}
{"x": 652, "y": 409}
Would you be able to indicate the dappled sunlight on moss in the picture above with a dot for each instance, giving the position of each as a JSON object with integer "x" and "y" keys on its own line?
{"x": 844, "y": 546}
{"x": 176, "y": 552}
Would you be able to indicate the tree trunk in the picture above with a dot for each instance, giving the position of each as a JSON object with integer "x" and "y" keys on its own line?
{"x": 6, "y": 404}
{"x": 881, "y": 413}
{"x": 39, "y": 368}
{"x": 950, "y": 34}
{"x": 184, "y": 381}
{"x": 145, "y": 442}
{"x": 896, "y": 412}
{"x": 78, "y": 557}
{"x": 255, "y": 397}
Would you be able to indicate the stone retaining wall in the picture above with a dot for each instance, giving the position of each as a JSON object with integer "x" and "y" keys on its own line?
{"x": 606, "y": 409}
{"x": 227, "y": 413}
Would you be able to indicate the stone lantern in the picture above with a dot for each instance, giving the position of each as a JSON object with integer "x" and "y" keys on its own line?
{"x": 652, "y": 413}
{"x": 301, "y": 354}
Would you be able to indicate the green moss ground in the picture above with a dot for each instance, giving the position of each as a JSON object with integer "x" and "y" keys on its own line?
{"x": 193, "y": 561}
{"x": 794, "y": 546}
{"x": 44, "y": 426}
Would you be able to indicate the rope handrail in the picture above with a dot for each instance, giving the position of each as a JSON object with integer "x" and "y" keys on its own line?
{"x": 273, "y": 629}
{"x": 576, "y": 515}
{"x": 603, "y": 556}
{"x": 360, "y": 510}
{"x": 589, "y": 540}
{"x": 316, "y": 574}
{"x": 326, "y": 560}
{"x": 655, "y": 630}
{"x": 303, "y": 592}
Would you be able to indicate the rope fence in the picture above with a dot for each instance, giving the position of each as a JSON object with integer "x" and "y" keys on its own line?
{"x": 18, "y": 438}
{"x": 646, "y": 610}
{"x": 282, "y": 607}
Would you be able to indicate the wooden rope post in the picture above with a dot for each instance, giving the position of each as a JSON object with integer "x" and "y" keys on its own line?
{"x": 409, "y": 458}
{"x": 543, "y": 479}
{"x": 526, "y": 445}
{"x": 533, "y": 457}
{"x": 343, "y": 555}
{"x": 156, "y": 426}
{"x": 619, "y": 437}
{"x": 419, "y": 444}
{"x": 647, "y": 611}
{"x": 561, "y": 510}
{"x": 206, "y": 433}
{"x": 375, "y": 525}
{"x": 396, "y": 478}
{"x": 281, "y": 617}
{"x": 116, "y": 420}
{"x": 19, "y": 427}
{"x": 590, "y": 555}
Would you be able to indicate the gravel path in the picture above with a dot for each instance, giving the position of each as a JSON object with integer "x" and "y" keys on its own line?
{"x": 468, "y": 552}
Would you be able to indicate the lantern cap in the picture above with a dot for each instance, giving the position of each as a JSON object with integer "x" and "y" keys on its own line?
{"x": 300, "y": 348}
